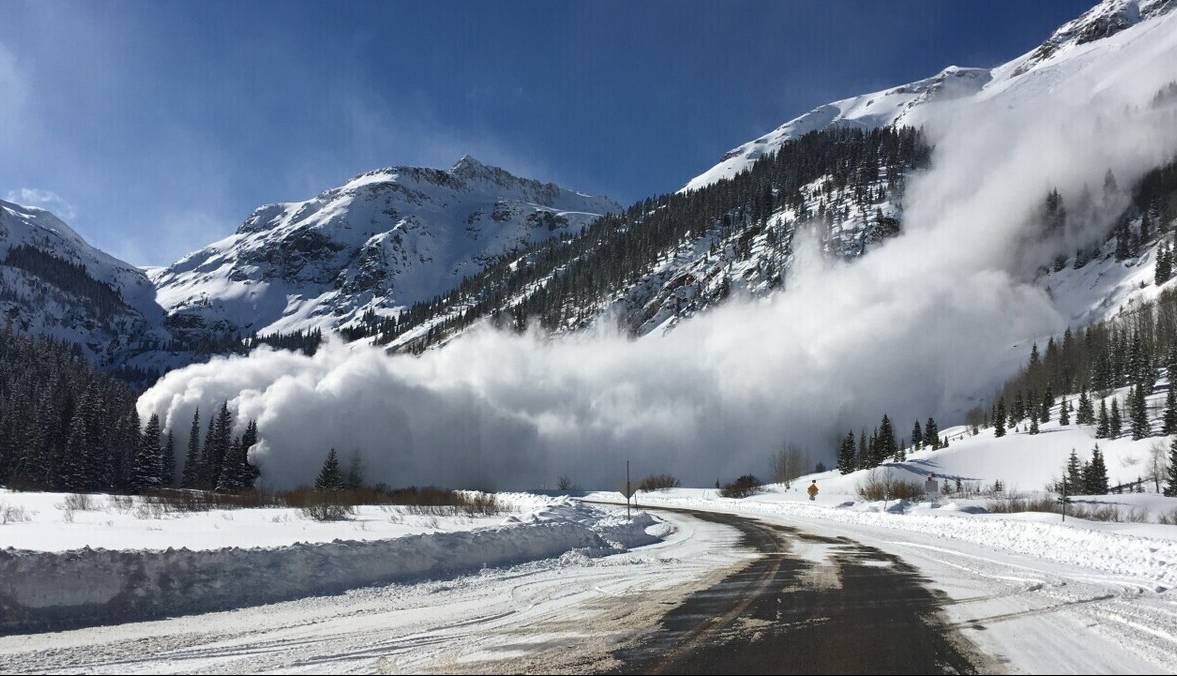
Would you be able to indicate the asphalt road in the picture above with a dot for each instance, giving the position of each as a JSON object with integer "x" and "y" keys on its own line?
{"x": 808, "y": 604}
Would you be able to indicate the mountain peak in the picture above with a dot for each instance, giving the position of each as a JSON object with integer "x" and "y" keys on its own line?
{"x": 467, "y": 167}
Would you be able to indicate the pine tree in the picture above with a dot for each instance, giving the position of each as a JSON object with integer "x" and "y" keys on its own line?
{"x": 1033, "y": 424}
{"x": 1164, "y": 265}
{"x": 999, "y": 419}
{"x": 863, "y": 459}
{"x": 1139, "y": 411}
{"x": 1170, "y": 417}
{"x": 330, "y": 477}
{"x": 207, "y": 455}
{"x": 222, "y": 441}
{"x": 1171, "y": 483}
{"x": 1116, "y": 424}
{"x": 886, "y": 445}
{"x": 190, "y": 476}
{"x": 917, "y": 437}
{"x": 148, "y": 468}
{"x": 846, "y": 455}
{"x": 355, "y": 473}
{"x": 1086, "y": 415}
{"x": 1097, "y": 478}
{"x": 1073, "y": 476}
{"x": 1104, "y": 429}
{"x": 169, "y": 460}
{"x": 1064, "y": 414}
{"x": 932, "y": 433}
{"x": 237, "y": 474}
{"x": 1047, "y": 402}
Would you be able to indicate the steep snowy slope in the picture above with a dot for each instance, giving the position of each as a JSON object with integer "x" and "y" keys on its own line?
{"x": 897, "y": 106}
{"x": 53, "y": 283}
{"x": 386, "y": 239}
{"x": 919, "y": 102}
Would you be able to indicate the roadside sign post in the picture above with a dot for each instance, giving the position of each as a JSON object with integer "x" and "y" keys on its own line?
{"x": 1064, "y": 500}
{"x": 627, "y": 490}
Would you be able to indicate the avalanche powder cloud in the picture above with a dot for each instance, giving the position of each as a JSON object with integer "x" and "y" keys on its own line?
{"x": 919, "y": 327}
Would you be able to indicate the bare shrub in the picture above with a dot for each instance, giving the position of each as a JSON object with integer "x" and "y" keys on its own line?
{"x": 1016, "y": 504}
{"x": 325, "y": 507}
{"x": 1050, "y": 505}
{"x": 658, "y": 482}
{"x": 13, "y": 514}
{"x": 742, "y": 487}
{"x": 79, "y": 502}
{"x": 188, "y": 501}
{"x": 122, "y": 503}
{"x": 879, "y": 487}
{"x": 1169, "y": 519}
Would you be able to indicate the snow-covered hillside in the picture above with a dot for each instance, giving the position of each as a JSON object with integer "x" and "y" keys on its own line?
{"x": 384, "y": 240}
{"x": 920, "y": 102}
{"x": 53, "y": 283}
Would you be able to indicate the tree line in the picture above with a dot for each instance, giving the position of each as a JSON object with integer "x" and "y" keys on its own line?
{"x": 66, "y": 426}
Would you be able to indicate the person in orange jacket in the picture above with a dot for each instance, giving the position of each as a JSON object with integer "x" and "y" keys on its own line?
{"x": 812, "y": 490}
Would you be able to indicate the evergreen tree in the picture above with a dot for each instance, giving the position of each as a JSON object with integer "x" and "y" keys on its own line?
{"x": 217, "y": 445}
{"x": 355, "y": 473}
{"x": 1170, "y": 417}
{"x": 1086, "y": 409}
{"x": 1171, "y": 483}
{"x": 932, "y": 433}
{"x": 148, "y": 470}
{"x": 1075, "y": 480}
{"x": 1097, "y": 476}
{"x": 999, "y": 419}
{"x": 237, "y": 474}
{"x": 330, "y": 477}
{"x": 846, "y": 455}
{"x": 1033, "y": 424}
{"x": 1064, "y": 414}
{"x": 1047, "y": 402}
{"x": 1163, "y": 270}
{"x": 1104, "y": 429}
{"x": 1115, "y": 422}
{"x": 886, "y": 445}
{"x": 190, "y": 476}
{"x": 1139, "y": 411}
{"x": 917, "y": 437}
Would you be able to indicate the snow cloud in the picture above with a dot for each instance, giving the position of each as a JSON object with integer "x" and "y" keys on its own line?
{"x": 45, "y": 199}
{"x": 923, "y": 325}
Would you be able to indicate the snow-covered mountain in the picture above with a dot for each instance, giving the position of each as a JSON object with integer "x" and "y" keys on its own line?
{"x": 912, "y": 104}
{"x": 383, "y": 240}
{"x": 53, "y": 283}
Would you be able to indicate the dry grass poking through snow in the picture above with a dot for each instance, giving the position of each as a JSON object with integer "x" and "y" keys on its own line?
{"x": 1017, "y": 504}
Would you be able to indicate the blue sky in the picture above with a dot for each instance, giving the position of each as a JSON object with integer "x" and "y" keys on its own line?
{"x": 156, "y": 127}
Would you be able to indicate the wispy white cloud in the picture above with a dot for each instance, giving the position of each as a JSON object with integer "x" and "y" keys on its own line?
{"x": 45, "y": 199}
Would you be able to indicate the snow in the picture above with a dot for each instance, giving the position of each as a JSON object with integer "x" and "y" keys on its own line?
{"x": 381, "y": 242}
{"x": 51, "y": 589}
{"x": 34, "y": 307}
{"x": 921, "y": 102}
{"x": 113, "y": 524}
{"x": 567, "y": 610}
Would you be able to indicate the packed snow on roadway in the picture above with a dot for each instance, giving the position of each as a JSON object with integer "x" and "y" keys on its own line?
{"x": 991, "y": 491}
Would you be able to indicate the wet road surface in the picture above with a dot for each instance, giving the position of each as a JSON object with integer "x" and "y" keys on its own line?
{"x": 808, "y": 604}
